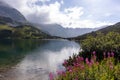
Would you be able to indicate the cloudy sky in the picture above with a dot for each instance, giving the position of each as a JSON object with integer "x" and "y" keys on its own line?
{"x": 69, "y": 13}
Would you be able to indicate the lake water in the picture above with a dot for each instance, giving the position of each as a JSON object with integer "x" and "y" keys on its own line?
{"x": 34, "y": 59}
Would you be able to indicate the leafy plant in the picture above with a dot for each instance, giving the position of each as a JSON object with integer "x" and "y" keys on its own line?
{"x": 90, "y": 69}
{"x": 102, "y": 43}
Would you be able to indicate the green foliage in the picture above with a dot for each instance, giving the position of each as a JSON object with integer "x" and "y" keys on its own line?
{"x": 21, "y": 32}
{"x": 101, "y": 42}
{"x": 91, "y": 69}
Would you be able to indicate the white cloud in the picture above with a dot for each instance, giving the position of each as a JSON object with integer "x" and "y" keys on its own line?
{"x": 62, "y": 2}
{"x": 51, "y": 13}
{"x": 43, "y": 0}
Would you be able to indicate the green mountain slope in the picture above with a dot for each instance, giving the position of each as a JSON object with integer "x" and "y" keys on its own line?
{"x": 11, "y": 29}
{"x": 13, "y": 25}
{"x": 115, "y": 28}
{"x": 21, "y": 32}
{"x": 112, "y": 28}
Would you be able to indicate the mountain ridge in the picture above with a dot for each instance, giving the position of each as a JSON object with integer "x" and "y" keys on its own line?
{"x": 13, "y": 25}
{"x": 8, "y": 11}
{"x": 111, "y": 28}
{"x": 58, "y": 30}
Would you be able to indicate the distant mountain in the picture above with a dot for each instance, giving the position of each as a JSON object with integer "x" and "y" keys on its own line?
{"x": 9, "y": 12}
{"x": 58, "y": 30}
{"x": 13, "y": 17}
{"x": 115, "y": 28}
{"x": 14, "y": 25}
{"x": 22, "y": 32}
{"x": 105, "y": 30}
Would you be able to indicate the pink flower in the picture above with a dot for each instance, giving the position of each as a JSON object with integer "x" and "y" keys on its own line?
{"x": 51, "y": 76}
{"x": 111, "y": 67}
{"x": 87, "y": 61}
{"x": 82, "y": 67}
{"x": 61, "y": 73}
{"x": 92, "y": 61}
{"x": 90, "y": 64}
{"x": 108, "y": 54}
{"x": 65, "y": 63}
{"x": 112, "y": 54}
{"x": 74, "y": 63}
{"x": 69, "y": 68}
{"x": 81, "y": 58}
{"x": 77, "y": 59}
{"x": 94, "y": 53}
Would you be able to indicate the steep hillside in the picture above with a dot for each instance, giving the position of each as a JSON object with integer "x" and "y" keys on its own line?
{"x": 112, "y": 28}
{"x": 13, "y": 25}
{"x": 8, "y": 11}
{"x": 21, "y": 32}
{"x": 115, "y": 28}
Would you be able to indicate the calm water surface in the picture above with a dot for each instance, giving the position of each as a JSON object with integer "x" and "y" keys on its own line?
{"x": 34, "y": 59}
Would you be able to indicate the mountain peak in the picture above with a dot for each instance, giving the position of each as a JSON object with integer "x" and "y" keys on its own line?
{"x": 10, "y": 12}
{"x": 4, "y": 4}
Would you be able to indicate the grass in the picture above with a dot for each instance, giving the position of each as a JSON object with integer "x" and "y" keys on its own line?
{"x": 5, "y": 27}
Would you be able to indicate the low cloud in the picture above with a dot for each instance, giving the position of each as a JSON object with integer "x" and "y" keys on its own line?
{"x": 46, "y": 11}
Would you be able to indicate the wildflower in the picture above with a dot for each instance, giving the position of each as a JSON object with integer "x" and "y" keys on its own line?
{"x": 74, "y": 63}
{"x": 59, "y": 72}
{"x": 65, "y": 63}
{"x": 112, "y": 54}
{"x": 63, "y": 73}
{"x": 69, "y": 68}
{"x": 108, "y": 54}
{"x": 94, "y": 53}
{"x": 77, "y": 59}
{"x": 81, "y": 58}
{"x": 82, "y": 67}
{"x": 87, "y": 61}
{"x": 92, "y": 61}
{"x": 111, "y": 67}
{"x": 51, "y": 76}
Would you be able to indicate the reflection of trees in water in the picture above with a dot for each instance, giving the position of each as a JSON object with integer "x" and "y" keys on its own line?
{"x": 12, "y": 51}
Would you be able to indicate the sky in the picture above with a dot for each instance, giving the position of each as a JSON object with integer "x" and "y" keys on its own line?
{"x": 69, "y": 13}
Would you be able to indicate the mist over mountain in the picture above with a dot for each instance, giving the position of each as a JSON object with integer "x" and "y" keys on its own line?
{"x": 13, "y": 17}
{"x": 104, "y": 30}
{"x": 58, "y": 30}
{"x": 13, "y": 25}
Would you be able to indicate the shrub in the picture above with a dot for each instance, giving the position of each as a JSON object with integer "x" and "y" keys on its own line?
{"x": 102, "y": 43}
{"x": 90, "y": 69}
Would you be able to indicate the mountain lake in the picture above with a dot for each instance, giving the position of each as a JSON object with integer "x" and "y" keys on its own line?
{"x": 33, "y": 59}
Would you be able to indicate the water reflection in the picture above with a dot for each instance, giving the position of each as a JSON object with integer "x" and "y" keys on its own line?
{"x": 43, "y": 59}
{"x": 12, "y": 51}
